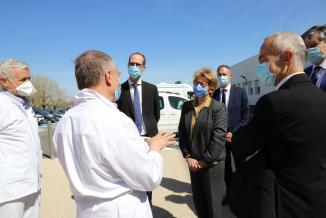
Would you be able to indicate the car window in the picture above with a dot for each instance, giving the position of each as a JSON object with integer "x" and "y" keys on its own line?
{"x": 176, "y": 102}
{"x": 161, "y": 102}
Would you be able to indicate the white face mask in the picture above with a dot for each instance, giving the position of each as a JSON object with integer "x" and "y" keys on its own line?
{"x": 26, "y": 89}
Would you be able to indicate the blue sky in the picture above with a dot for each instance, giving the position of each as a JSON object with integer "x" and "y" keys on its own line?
{"x": 177, "y": 36}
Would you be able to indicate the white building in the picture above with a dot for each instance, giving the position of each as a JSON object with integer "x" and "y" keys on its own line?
{"x": 244, "y": 75}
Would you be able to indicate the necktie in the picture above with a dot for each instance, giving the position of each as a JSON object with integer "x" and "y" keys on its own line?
{"x": 315, "y": 75}
{"x": 223, "y": 96}
{"x": 137, "y": 109}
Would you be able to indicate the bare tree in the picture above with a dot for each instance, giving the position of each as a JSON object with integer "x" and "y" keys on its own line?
{"x": 49, "y": 93}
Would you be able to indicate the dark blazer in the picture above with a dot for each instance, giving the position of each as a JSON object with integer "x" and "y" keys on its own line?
{"x": 238, "y": 109}
{"x": 150, "y": 105}
{"x": 289, "y": 125}
{"x": 208, "y": 136}
{"x": 308, "y": 71}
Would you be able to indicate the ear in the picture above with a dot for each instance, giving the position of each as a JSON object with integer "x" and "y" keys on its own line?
{"x": 3, "y": 80}
{"x": 288, "y": 55}
{"x": 107, "y": 77}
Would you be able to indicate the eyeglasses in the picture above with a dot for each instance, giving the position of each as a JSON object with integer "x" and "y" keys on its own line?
{"x": 135, "y": 64}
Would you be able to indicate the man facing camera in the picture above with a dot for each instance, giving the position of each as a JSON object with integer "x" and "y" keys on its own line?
{"x": 139, "y": 100}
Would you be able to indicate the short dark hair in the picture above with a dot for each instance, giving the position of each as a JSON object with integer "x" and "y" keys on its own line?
{"x": 90, "y": 66}
{"x": 319, "y": 29}
{"x": 223, "y": 65}
{"x": 138, "y": 53}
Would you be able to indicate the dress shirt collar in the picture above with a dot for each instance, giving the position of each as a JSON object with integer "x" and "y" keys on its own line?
{"x": 131, "y": 83}
{"x": 323, "y": 64}
{"x": 286, "y": 79}
{"x": 228, "y": 87}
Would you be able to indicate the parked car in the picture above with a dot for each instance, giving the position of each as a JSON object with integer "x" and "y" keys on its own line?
{"x": 170, "y": 111}
{"x": 47, "y": 115}
{"x": 184, "y": 90}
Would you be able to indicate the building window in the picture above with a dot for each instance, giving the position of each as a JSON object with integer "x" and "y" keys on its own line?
{"x": 250, "y": 88}
{"x": 257, "y": 87}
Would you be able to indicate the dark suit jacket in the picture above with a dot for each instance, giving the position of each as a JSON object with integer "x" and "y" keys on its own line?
{"x": 289, "y": 125}
{"x": 308, "y": 71}
{"x": 150, "y": 105}
{"x": 208, "y": 136}
{"x": 238, "y": 110}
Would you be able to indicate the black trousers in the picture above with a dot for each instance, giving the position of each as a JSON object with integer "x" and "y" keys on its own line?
{"x": 149, "y": 195}
{"x": 207, "y": 190}
{"x": 228, "y": 173}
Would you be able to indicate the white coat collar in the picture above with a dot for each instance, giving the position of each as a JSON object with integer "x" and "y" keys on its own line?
{"x": 86, "y": 95}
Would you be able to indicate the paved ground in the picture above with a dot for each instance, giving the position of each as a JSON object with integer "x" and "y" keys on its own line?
{"x": 172, "y": 199}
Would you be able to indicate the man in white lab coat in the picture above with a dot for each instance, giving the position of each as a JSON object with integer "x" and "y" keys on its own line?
{"x": 20, "y": 150}
{"x": 109, "y": 166}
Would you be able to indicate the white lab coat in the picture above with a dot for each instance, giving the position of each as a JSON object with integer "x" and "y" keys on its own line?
{"x": 108, "y": 164}
{"x": 20, "y": 150}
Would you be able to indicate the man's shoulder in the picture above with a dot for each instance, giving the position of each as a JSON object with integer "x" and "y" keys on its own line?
{"x": 237, "y": 89}
{"x": 149, "y": 86}
{"x": 5, "y": 101}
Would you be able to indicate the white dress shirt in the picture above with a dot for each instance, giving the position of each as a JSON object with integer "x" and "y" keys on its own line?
{"x": 227, "y": 94}
{"x": 108, "y": 164}
{"x": 20, "y": 150}
{"x": 132, "y": 91}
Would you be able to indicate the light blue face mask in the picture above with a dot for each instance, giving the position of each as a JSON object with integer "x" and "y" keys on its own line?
{"x": 117, "y": 94}
{"x": 223, "y": 80}
{"x": 314, "y": 55}
{"x": 265, "y": 77}
{"x": 200, "y": 91}
{"x": 134, "y": 72}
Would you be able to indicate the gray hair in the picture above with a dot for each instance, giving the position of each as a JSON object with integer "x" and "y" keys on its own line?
{"x": 291, "y": 41}
{"x": 7, "y": 65}
{"x": 90, "y": 66}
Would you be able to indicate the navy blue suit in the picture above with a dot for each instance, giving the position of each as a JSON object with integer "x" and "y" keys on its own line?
{"x": 238, "y": 116}
{"x": 322, "y": 85}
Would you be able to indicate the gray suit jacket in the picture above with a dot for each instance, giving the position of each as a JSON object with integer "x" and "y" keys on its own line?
{"x": 206, "y": 141}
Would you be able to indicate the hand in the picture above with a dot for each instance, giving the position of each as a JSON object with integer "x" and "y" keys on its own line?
{"x": 229, "y": 136}
{"x": 193, "y": 164}
{"x": 160, "y": 141}
{"x": 202, "y": 164}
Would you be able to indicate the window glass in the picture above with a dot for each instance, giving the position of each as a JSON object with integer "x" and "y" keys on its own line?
{"x": 161, "y": 102}
{"x": 176, "y": 102}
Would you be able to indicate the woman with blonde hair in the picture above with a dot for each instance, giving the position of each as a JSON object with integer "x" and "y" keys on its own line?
{"x": 202, "y": 132}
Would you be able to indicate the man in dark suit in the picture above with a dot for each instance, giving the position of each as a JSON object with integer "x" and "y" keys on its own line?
{"x": 288, "y": 125}
{"x": 315, "y": 40}
{"x": 139, "y": 100}
{"x": 236, "y": 103}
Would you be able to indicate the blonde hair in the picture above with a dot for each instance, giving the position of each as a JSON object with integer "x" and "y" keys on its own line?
{"x": 208, "y": 74}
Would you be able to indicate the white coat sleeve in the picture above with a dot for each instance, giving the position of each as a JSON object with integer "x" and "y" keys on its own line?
{"x": 128, "y": 155}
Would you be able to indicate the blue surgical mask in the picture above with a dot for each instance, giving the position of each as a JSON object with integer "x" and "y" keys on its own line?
{"x": 134, "y": 72}
{"x": 223, "y": 80}
{"x": 200, "y": 91}
{"x": 117, "y": 94}
{"x": 314, "y": 55}
{"x": 265, "y": 77}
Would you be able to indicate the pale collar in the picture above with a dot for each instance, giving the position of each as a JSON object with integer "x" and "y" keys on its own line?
{"x": 132, "y": 83}
{"x": 228, "y": 87}
{"x": 323, "y": 64}
{"x": 286, "y": 79}
{"x": 20, "y": 100}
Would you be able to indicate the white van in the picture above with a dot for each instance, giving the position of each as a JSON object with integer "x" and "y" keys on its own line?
{"x": 184, "y": 90}
{"x": 170, "y": 111}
